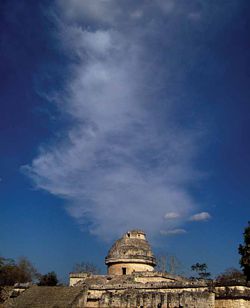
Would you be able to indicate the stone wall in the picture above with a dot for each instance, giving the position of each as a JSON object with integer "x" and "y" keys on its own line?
{"x": 154, "y": 289}
{"x": 237, "y": 296}
{"x": 132, "y": 299}
{"x": 136, "y": 277}
{"x": 232, "y": 303}
{"x": 5, "y": 293}
{"x": 127, "y": 295}
{"x": 117, "y": 269}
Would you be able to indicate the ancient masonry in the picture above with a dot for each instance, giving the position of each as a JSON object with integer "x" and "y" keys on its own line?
{"x": 132, "y": 282}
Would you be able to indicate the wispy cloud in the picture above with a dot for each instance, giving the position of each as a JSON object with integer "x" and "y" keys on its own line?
{"x": 125, "y": 161}
{"x": 203, "y": 216}
{"x": 173, "y": 232}
{"x": 172, "y": 215}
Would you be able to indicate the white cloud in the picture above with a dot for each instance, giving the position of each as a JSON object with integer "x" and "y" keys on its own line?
{"x": 203, "y": 216}
{"x": 173, "y": 232}
{"x": 172, "y": 215}
{"x": 111, "y": 12}
{"x": 121, "y": 164}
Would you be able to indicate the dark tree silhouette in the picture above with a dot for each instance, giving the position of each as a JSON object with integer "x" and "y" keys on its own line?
{"x": 244, "y": 251}
{"x": 28, "y": 272}
{"x": 49, "y": 279}
{"x": 201, "y": 270}
{"x": 11, "y": 272}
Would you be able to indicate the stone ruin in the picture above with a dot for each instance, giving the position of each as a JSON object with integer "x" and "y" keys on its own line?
{"x": 132, "y": 282}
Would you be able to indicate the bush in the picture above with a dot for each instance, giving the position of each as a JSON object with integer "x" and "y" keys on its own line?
{"x": 49, "y": 279}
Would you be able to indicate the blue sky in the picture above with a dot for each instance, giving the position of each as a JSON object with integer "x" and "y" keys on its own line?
{"x": 124, "y": 114}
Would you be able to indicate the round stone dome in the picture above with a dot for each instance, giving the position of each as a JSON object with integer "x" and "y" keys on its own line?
{"x": 130, "y": 253}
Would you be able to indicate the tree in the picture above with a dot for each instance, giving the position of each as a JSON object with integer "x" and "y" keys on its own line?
{"x": 244, "y": 251}
{"x": 49, "y": 279}
{"x": 11, "y": 272}
{"x": 168, "y": 263}
{"x": 174, "y": 265}
{"x": 86, "y": 267}
{"x": 27, "y": 271}
{"x": 161, "y": 263}
{"x": 231, "y": 275}
{"x": 201, "y": 269}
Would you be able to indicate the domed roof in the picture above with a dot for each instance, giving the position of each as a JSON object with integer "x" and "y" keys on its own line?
{"x": 132, "y": 247}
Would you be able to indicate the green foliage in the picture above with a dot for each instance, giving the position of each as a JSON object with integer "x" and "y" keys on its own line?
{"x": 86, "y": 267}
{"x": 11, "y": 272}
{"x": 201, "y": 270}
{"x": 244, "y": 251}
{"x": 49, "y": 279}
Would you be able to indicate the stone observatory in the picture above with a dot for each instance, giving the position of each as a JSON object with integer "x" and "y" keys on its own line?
{"x": 131, "y": 253}
{"x": 132, "y": 282}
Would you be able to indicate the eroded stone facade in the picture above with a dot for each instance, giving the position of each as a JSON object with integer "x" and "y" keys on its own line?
{"x": 132, "y": 282}
{"x": 146, "y": 289}
{"x": 154, "y": 289}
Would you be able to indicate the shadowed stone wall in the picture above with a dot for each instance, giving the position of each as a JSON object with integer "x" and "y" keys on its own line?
{"x": 133, "y": 299}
